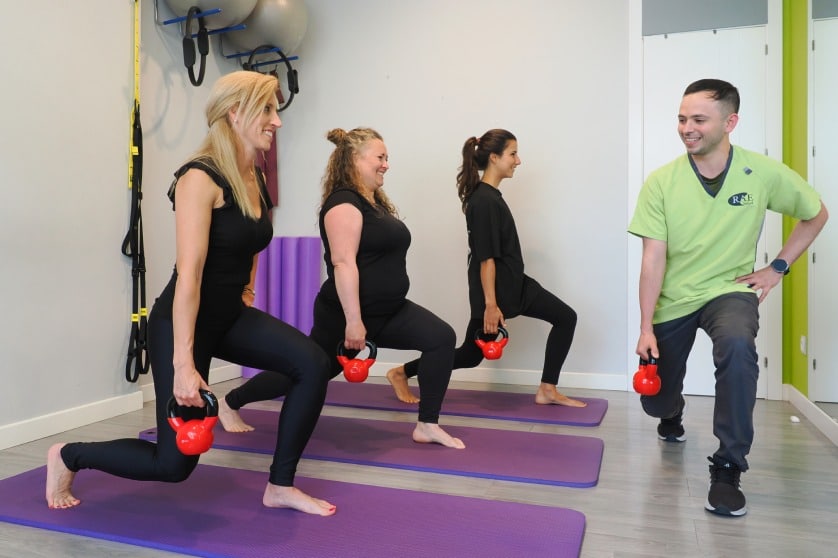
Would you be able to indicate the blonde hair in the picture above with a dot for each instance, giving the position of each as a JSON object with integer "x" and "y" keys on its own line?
{"x": 341, "y": 171}
{"x": 247, "y": 92}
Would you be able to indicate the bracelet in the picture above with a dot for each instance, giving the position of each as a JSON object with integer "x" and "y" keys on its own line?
{"x": 249, "y": 290}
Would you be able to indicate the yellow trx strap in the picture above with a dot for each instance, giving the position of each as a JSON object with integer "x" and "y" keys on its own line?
{"x": 132, "y": 246}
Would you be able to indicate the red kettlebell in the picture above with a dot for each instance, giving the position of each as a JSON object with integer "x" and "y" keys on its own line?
{"x": 356, "y": 369}
{"x": 646, "y": 379}
{"x": 194, "y": 436}
{"x": 492, "y": 350}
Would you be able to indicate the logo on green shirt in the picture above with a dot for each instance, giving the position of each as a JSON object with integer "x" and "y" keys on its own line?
{"x": 743, "y": 198}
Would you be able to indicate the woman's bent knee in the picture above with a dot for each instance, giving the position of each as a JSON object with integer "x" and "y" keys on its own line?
{"x": 447, "y": 335}
{"x": 316, "y": 363}
{"x": 178, "y": 472}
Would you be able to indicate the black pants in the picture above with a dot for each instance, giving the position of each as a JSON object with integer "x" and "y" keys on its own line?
{"x": 545, "y": 306}
{"x": 732, "y": 322}
{"x": 412, "y": 327}
{"x": 254, "y": 339}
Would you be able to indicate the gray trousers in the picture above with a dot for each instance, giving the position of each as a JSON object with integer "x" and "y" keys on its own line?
{"x": 731, "y": 321}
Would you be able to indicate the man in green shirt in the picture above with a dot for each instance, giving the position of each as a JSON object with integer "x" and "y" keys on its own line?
{"x": 700, "y": 218}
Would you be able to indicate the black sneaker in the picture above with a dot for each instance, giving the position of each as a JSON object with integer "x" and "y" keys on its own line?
{"x": 725, "y": 496}
{"x": 671, "y": 429}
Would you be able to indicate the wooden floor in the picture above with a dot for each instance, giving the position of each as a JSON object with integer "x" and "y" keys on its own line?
{"x": 649, "y": 500}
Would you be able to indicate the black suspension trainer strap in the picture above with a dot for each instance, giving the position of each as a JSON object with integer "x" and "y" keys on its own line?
{"x": 134, "y": 248}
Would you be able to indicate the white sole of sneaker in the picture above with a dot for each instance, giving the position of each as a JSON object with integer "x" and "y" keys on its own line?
{"x": 725, "y": 512}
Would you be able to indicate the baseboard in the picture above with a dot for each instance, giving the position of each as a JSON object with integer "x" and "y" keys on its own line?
{"x": 47, "y": 425}
{"x": 609, "y": 382}
{"x": 55, "y": 423}
{"x": 812, "y": 412}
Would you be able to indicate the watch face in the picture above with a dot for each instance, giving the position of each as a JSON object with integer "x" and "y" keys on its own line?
{"x": 780, "y": 266}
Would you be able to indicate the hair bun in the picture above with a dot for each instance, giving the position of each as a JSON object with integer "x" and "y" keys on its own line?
{"x": 337, "y": 136}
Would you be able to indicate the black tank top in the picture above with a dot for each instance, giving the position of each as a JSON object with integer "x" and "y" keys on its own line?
{"x": 381, "y": 259}
{"x": 233, "y": 241}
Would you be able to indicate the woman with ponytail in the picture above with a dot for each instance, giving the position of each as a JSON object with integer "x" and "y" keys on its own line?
{"x": 498, "y": 287}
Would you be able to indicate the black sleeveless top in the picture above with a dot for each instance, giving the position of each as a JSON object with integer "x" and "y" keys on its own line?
{"x": 233, "y": 241}
{"x": 381, "y": 259}
{"x": 492, "y": 234}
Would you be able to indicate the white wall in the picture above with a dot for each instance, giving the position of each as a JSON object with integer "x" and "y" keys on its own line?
{"x": 426, "y": 74}
{"x": 64, "y": 292}
{"x": 429, "y": 74}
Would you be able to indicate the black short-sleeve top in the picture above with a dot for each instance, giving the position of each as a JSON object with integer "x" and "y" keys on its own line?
{"x": 381, "y": 259}
{"x": 234, "y": 239}
{"x": 492, "y": 234}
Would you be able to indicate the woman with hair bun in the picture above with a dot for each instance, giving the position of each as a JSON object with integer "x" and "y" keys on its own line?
{"x": 364, "y": 296}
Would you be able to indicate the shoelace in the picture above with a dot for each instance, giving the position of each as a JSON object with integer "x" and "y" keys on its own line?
{"x": 727, "y": 475}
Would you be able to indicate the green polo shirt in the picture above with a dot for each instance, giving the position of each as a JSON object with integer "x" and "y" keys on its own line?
{"x": 710, "y": 241}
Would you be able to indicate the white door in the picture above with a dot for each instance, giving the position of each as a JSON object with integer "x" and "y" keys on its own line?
{"x": 823, "y": 301}
{"x": 670, "y": 63}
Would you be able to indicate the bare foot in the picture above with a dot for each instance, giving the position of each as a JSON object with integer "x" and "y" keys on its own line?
{"x": 547, "y": 394}
{"x": 398, "y": 379}
{"x": 294, "y": 498}
{"x": 230, "y": 419}
{"x": 59, "y": 481}
{"x": 430, "y": 433}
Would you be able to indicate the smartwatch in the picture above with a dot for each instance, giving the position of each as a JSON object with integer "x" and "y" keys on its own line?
{"x": 780, "y": 266}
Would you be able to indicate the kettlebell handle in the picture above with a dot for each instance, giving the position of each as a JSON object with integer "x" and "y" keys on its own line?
{"x": 194, "y": 436}
{"x": 370, "y": 345}
{"x": 356, "y": 369}
{"x": 501, "y": 330}
{"x": 172, "y": 407}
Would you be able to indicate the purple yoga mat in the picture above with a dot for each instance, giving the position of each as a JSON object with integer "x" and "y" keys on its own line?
{"x": 471, "y": 403}
{"x": 529, "y": 457}
{"x": 218, "y": 512}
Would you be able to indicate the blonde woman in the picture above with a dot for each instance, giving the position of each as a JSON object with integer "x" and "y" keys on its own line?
{"x": 222, "y": 221}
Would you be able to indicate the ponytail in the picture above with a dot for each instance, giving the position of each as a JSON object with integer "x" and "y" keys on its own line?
{"x": 468, "y": 177}
{"x": 476, "y": 158}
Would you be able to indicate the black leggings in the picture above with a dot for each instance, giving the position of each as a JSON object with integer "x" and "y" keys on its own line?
{"x": 412, "y": 327}
{"x": 545, "y": 306}
{"x": 253, "y": 339}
